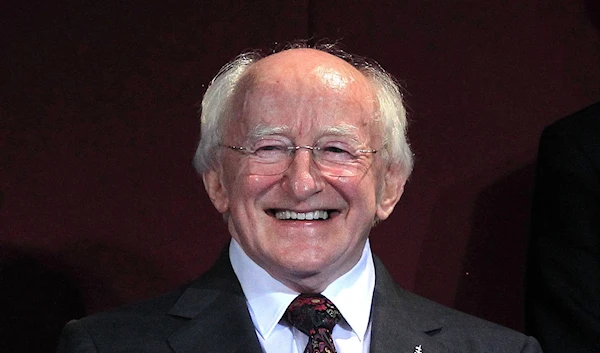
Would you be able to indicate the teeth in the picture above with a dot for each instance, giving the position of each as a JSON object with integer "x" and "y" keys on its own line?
{"x": 319, "y": 214}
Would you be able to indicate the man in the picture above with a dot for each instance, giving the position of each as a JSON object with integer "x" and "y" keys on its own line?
{"x": 302, "y": 152}
{"x": 563, "y": 288}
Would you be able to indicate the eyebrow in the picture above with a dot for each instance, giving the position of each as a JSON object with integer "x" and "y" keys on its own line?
{"x": 262, "y": 130}
{"x": 343, "y": 130}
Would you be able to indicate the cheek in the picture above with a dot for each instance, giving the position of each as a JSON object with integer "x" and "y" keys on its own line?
{"x": 250, "y": 188}
{"x": 238, "y": 183}
{"x": 360, "y": 194}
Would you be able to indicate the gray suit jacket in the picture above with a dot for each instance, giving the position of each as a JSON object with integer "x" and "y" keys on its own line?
{"x": 210, "y": 315}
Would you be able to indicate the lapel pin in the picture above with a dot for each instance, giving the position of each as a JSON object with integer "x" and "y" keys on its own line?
{"x": 418, "y": 349}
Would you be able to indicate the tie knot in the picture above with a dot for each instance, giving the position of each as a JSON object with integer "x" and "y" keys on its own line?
{"x": 311, "y": 312}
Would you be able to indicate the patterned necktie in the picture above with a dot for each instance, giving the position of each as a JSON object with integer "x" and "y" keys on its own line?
{"x": 315, "y": 316}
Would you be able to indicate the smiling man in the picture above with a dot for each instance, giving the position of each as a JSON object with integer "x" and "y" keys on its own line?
{"x": 302, "y": 151}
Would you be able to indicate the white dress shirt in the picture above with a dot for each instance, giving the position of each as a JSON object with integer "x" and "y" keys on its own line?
{"x": 268, "y": 299}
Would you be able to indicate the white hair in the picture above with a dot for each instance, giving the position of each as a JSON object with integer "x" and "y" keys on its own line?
{"x": 218, "y": 101}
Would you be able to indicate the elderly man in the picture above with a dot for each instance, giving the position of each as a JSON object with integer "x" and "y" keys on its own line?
{"x": 302, "y": 151}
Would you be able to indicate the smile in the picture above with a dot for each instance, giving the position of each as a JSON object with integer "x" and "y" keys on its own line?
{"x": 314, "y": 215}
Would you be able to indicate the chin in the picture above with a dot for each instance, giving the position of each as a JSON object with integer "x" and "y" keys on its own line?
{"x": 306, "y": 265}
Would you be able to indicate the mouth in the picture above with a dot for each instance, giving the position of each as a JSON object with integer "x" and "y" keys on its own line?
{"x": 317, "y": 215}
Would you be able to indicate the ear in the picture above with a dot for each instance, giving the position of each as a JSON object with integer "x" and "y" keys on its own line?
{"x": 391, "y": 191}
{"x": 215, "y": 189}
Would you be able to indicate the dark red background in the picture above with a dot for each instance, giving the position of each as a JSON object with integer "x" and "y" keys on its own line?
{"x": 100, "y": 205}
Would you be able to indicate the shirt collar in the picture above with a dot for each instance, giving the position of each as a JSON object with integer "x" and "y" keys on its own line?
{"x": 268, "y": 298}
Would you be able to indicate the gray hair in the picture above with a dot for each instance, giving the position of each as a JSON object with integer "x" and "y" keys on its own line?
{"x": 217, "y": 104}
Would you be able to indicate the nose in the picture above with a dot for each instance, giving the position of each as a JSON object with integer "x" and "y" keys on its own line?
{"x": 303, "y": 178}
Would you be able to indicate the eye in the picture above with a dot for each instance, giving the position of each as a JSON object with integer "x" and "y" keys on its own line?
{"x": 337, "y": 153}
{"x": 270, "y": 151}
{"x": 268, "y": 148}
{"x": 334, "y": 149}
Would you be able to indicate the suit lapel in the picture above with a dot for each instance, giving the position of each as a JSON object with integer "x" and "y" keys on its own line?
{"x": 218, "y": 315}
{"x": 400, "y": 323}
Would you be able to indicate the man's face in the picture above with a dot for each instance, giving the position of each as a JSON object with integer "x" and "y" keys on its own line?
{"x": 303, "y": 97}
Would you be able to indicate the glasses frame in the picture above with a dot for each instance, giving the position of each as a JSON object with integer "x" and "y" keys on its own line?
{"x": 294, "y": 149}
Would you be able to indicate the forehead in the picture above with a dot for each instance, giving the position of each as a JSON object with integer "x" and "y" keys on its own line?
{"x": 306, "y": 91}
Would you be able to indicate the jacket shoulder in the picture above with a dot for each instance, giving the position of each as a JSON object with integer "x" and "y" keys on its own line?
{"x": 144, "y": 324}
{"x": 408, "y": 315}
{"x": 581, "y": 123}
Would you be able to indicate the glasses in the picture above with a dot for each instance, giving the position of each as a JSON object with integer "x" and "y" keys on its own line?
{"x": 333, "y": 159}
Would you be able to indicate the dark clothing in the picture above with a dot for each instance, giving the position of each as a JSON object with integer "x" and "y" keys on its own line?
{"x": 210, "y": 315}
{"x": 563, "y": 288}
